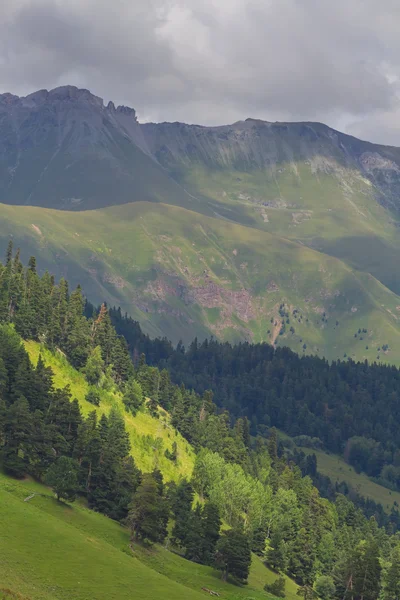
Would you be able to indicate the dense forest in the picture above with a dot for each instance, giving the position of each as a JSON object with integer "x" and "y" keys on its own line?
{"x": 352, "y": 408}
{"x": 242, "y": 479}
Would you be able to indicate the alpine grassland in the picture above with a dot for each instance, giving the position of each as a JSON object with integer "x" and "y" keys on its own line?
{"x": 182, "y": 274}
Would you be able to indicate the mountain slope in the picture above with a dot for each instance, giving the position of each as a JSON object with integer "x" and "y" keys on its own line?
{"x": 149, "y": 437}
{"x": 207, "y": 227}
{"x": 183, "y": 274}
{"x": 64, "y": 149}
{"x": 96, "y": 550}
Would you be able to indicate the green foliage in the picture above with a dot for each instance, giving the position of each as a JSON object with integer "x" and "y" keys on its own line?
{"x": 391, "y": 577}
{"x": 277, "y": 588}
{"x": 272, "y": 378}
{"x": 324, "y": 587}
{"x": 148, "y": 512}
{"x": 172, "y": 454}
{"x": 250, "y": 482}
{"x": 93, "y": 396}
{"x": 62, "y": 477}
{"x": 233, "y": 555}
{"x": 133, "y": 396}
{"x": 94, "y": 366}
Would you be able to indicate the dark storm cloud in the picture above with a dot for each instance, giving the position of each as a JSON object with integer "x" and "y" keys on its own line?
{"x": 215, "y": 61}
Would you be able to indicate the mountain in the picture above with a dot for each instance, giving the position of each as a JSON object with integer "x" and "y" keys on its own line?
{"x": 209, "y": 230}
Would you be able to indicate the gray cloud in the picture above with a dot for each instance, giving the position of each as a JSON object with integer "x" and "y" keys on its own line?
{"x": 215, "y": 61}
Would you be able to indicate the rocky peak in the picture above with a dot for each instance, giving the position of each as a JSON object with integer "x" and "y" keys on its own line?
{"x": 127, "y": 111}
{"x": 72, "y": 93}
{"x": 8, "y": 99}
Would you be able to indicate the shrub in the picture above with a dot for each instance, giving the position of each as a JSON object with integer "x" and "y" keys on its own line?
{"x": 276, "y": 588}
{"x": 93, "y": 396}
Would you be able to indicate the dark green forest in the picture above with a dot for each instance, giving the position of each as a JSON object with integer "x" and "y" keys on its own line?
{"x": 353, "y": 408}
{"x": 242, "y": 477}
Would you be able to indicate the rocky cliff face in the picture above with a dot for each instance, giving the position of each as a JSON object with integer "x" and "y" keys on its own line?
{"x": 65, "y": 149}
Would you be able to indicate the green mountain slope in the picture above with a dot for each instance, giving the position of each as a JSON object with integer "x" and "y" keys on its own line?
{"x": 184, "y": 274}
{"x": 54, "y": 551}
{"x": 206, "y": 248}
{"x": 149, "y": 437}
{"x": 338, "y": 470}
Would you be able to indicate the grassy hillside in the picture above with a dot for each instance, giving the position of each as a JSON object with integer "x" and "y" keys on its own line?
{"x": 322, "y": 204}
{"x": 149, "y": 437}
{"x": 183, "y": 274}
{"x": 338, "y": 470}
{"x": 43, "y": 541}
{"x": 54, "y": 551}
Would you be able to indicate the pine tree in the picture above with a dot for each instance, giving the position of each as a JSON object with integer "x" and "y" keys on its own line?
{"x": 181, "y": 510}
{"x": 17, "y": 438}
{"x": 147, "y": 512}
{"x": 193, "y": 542}
{"x": 233, "y": 556}
{"x": 62, "y": 477}
{"x": 32, "y": 265}
{"x": 211, "y": 525}
{"x": 9, "y": 253}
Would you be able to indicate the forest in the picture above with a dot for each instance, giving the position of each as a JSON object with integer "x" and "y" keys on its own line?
{"x": 243, "y": 478}
{"x": 351, "y": 409}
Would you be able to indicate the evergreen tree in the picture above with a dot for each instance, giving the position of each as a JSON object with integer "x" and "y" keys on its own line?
{"x": 233, "y": 556}
{"x": 94, "y": 366}
{"x": 211, "y": 525}
{"x": 147, "y": 512}
{"x": 62, "y": 477}
{"x": 17, "y": 438}
{"x": 133, "y": 396}
{"x": 181, "y": 510}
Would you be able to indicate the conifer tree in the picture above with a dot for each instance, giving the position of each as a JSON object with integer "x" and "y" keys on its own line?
{"x": 211, "y": 525}
{"x": 17, "y": 438}
{"x": 133, "y": 396}
{"x": 62, "y": 477}
{"x": 233, "y": 556}
{"x": 181, "y": 510}
{"x": 148, "y": 511}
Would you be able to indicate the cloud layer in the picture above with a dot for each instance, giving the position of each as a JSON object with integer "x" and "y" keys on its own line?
{"x": 215, "y": 61}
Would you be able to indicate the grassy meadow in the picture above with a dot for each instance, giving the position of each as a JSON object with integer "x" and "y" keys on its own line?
{"x": 183, "y": 274}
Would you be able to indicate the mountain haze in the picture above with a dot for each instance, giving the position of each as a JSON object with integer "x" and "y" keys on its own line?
{"x": 196, "y": 230}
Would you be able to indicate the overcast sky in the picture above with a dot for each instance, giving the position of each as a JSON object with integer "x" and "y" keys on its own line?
{"x": 215, "y": 61}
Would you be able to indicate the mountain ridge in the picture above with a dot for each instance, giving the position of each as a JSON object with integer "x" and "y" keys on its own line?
{"x": 157, "y": 206}
{"x": 252, "y": 143}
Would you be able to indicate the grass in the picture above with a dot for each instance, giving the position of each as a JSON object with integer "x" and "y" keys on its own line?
{"x": 183, "y": 274}
{"x": 55, "y": 551}
{"x": 149, "y": 437}
{"x": 338, "y": 470}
